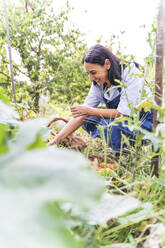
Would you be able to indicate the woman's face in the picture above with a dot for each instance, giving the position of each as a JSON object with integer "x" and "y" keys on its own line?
{"x": 98, "y": 73}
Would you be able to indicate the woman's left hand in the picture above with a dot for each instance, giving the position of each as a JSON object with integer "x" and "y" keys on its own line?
{"x": 79, "y": 110}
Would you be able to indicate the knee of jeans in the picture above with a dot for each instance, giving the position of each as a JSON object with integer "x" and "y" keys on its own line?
{"x": 115, "y": 128}
{"x": 147, "y": 125}
{"x": 87, "y": 126}
{"x": 90, "y": 123}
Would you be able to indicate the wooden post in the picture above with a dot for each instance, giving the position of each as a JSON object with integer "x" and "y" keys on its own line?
{"x": 160, "y": 40}
{"x": 9, "y": 49}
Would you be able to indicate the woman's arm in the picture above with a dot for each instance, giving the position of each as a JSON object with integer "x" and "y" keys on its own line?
{"x": 80, "y": 113}
{"x": 80, "y": 110}
{"x": 70, "y": 127}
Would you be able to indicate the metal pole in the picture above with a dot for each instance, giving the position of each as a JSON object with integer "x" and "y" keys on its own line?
{"x": 9, "y": 49}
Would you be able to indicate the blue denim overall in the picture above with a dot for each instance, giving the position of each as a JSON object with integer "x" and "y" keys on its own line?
{"x": 112, "y": 133}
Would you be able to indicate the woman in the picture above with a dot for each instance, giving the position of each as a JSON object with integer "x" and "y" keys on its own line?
{"x": 117, "y": 86}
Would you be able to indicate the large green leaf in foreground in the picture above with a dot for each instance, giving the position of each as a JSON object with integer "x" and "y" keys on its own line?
{"x": 33, "y": 179}
{"x": 30, "y": 179}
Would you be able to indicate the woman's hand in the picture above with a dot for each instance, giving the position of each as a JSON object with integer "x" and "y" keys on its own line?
{"x": 70, "y": 127}
{"x": 56, "y": 140}
{"x": 79, "y": 110}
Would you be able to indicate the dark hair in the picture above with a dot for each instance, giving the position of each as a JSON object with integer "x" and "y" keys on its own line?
{"x": 98, "y": 54}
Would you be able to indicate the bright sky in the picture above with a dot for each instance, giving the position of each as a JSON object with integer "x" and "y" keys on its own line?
{"x": 104, "y": 18}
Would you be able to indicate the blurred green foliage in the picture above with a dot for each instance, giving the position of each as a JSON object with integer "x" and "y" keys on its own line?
{"x": 51, "y": 197}
{"x": 47, "y": 57}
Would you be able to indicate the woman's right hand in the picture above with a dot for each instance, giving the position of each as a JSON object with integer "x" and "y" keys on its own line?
{"x": 54, "y": 141}
{"x": 70, "y": 127}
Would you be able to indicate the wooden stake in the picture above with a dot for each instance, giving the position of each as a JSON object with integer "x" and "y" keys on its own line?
{"x": 160, "y": 40}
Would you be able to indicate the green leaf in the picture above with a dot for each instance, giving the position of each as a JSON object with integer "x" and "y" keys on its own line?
{"x": 28, "y": 133}
{"x": 30, "y": 180}
{"x": 147, "y": 104}
{"x": 111, "y": 206}
{"x": 3, "y": 96}
{"x": 7, "y": 114}
{"x": 25, "y": 223}
{"x": 144, "y": 212}
{"x": 53, "y": 169}
{"x": 38, "y": 143}
{"x": 3, "y": 138}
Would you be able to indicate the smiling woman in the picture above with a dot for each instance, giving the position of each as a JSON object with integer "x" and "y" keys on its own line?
{"x": 97, "y": 73}
{"x": 119, "y": 86}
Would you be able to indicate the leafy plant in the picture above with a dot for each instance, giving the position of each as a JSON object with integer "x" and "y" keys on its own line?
{"x": 48, "y": 54}
{"x": 48, "y": 193}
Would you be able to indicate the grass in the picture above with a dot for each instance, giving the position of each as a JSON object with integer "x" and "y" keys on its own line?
{"x": 131, "y": 176}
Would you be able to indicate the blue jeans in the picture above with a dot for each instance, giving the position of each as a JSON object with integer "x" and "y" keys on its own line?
{"x": 106, "y": 128}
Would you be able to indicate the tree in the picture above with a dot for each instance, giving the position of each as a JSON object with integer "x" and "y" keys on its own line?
{"x": 50, "y": 53}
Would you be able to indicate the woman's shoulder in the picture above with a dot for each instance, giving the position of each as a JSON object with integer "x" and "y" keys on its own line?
{"x": 96, "y": 90}
{"x": 131, "y": 70}
{"x": 97, "y": 87}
